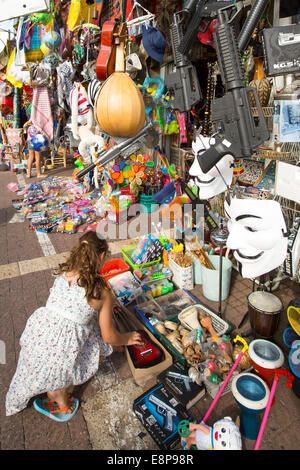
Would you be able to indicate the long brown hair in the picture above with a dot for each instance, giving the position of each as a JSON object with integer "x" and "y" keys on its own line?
{"x": 85, "y": 260}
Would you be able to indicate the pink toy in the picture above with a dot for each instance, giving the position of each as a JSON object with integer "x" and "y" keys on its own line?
{"x": 13, "y": 187}
{"x": 288, "y": 384}
{"x": 238, "y": 338}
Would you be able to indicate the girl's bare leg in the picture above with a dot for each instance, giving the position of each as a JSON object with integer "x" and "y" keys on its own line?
{"x": 31, "y": 155}
{"x": 38, "y": 164}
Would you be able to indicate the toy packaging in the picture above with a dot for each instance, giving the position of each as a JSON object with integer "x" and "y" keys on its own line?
{"x": 160, "y": 413}
{"x": 286, "y": 121}
{"x": 181, "y": 385}
{"x": 152, "y": 274}
{"x": 175, "y": 302}
{"x": 125, "y": 287}
{"x": 158, "y": 288}
{"x": 149, "y": 249}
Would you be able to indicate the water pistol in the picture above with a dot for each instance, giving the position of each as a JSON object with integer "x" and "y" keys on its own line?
{"x": 78, "y": 161}
{"x": 154, "y": 86}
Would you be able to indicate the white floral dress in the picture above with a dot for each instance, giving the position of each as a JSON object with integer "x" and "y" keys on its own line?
{"x": 60, "y": 346}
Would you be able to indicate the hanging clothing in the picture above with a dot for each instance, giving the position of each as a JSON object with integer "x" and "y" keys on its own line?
{"x": 41, "y": 114}
{"x": 82, "y": 101}
{"x": 65, "y": 84}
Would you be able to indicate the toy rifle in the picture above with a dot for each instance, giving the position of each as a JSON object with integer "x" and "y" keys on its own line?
{"x": 105, "y": 157}
{"x": 238, "y": 133}
{"x": 183, "y": 84}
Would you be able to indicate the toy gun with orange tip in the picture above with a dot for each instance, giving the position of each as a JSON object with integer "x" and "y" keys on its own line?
{"x": 105, "y": 156}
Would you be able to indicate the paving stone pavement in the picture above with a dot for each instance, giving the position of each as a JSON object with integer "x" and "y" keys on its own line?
{"x": 25, "y": 287}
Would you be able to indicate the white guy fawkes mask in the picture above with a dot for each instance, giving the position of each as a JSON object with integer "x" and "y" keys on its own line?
{"x": 211, "y": 183}
{"x": 257, "y": 233}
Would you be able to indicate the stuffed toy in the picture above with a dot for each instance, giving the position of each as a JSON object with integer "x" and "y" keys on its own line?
{"x": 81, "y": 111}
{"x": 224, "y": 435}
{"x": 90, "y": 145}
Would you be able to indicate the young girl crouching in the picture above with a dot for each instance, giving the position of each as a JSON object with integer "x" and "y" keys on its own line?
{"x": 62, "y": 342}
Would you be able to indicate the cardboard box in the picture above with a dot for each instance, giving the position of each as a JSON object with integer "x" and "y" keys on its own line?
{"x": 139, "y": 374}
{"x": 160, "y": 413}
{"x": 177, "y": 380}
{"x": 281, "y": 49}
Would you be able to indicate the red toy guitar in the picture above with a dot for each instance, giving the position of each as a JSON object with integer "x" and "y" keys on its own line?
{"x": 105, "y": 64}
{"x": 143, "y": 356}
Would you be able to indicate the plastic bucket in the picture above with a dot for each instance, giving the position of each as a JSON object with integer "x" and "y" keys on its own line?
{"x": 197, "y": 269}
{"x": 210, "y": 278}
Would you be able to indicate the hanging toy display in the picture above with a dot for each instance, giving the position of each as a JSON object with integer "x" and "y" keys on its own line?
{"x": 119, "y": 108}
{"x": 52, "y": 40}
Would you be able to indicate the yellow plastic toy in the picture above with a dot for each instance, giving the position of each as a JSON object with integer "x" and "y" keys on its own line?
{"x": 293, "y": 314}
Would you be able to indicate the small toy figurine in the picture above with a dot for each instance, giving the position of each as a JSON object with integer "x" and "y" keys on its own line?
{"x": 224, "y": 435}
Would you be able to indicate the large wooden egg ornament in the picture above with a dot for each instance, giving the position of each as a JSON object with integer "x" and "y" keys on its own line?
{"x": 119, "y": 108}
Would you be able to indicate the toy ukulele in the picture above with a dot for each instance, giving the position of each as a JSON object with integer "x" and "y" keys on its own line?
{"x": 143, "y": 356}
{"x": 105, "y": 64}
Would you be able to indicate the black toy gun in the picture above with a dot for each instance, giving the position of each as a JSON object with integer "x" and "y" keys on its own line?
{"x": 183, "y": 84}
{"x": 238, "y": 133}
{"x": 105, "y": 156}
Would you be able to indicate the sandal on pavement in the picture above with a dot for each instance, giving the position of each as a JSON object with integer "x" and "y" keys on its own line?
{"x": 51, "y": 409}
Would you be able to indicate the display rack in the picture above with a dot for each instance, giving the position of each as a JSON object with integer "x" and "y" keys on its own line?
{"x": 182, "y": 158}
{"x": 289, "y": 151}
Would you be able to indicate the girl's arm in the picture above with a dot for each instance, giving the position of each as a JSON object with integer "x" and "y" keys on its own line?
{"x": 108, "y": 331}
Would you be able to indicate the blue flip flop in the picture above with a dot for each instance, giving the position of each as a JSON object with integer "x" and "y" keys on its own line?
{"x": 51, "y": 410}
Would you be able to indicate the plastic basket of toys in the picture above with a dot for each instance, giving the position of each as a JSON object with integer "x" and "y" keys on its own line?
{"x": 126, "y": 252}
{"x": 112, "y": 268}
{"x": 147, "y": 253}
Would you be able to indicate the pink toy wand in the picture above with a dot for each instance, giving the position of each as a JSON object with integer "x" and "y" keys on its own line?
{"x": 288, "y": 384}
{"x": 238, "y": 338}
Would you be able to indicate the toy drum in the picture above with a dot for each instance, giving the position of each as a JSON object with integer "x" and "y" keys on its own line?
{"x": 264, "y": 310}
{"x": 266, "y": 357}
